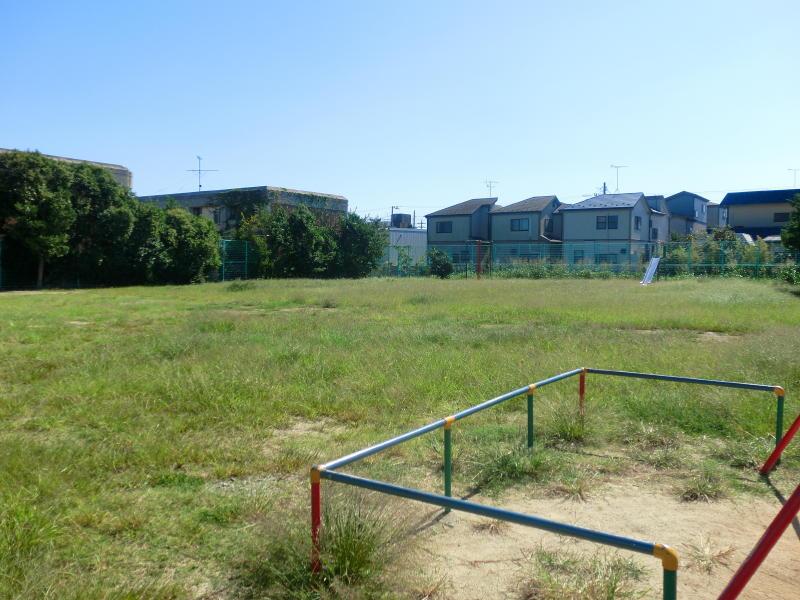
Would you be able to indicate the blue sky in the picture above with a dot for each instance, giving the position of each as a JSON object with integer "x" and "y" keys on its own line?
{"x": 411, "y": 104}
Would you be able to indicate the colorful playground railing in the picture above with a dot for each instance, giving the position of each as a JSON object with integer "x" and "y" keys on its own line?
{"x": 668, "y": 556}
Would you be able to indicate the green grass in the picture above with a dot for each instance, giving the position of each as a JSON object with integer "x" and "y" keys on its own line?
{"x": 150, "y": 433}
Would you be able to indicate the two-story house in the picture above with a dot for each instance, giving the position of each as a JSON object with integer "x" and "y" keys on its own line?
{"x": 761, "y": 213}
{"x": 456, "y": 229}
{"x": 608, "y": 229}
{"x": 530, "y": 220}
{"x": 688, "y": 214}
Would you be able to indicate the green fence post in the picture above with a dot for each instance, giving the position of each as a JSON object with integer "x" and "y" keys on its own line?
{"x": 530, "y": 417}
{"x": 670, "y": 585}
{"x": 224, "y": 258}
{"x": 781, "y": 396}
{"x": 246, "y": 261}
{"x": 669, "y": 562}
{"x": 448, "y": 459}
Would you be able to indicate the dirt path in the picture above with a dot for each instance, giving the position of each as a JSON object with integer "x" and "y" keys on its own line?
{"x": 483, "y": 563}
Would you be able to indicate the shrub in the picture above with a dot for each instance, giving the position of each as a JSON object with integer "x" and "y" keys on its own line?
{"x": 440, "y": 264}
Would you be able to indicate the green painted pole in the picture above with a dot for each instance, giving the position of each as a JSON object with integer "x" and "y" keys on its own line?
{"x": 670, "y": 585}
{"x": 448, "y": 461}
{"x": 530, "y": 420}
{"x": 779, "y": 419}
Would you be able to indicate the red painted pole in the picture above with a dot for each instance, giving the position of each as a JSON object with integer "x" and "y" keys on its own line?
{"x": 582, "y": 393}
{"x": 762, "y": 548}
{"x": 776, "y": 453}
{"x": 316, "y": 520}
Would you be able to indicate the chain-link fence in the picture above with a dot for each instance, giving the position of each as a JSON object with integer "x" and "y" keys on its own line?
{"x": 239, "y": 260}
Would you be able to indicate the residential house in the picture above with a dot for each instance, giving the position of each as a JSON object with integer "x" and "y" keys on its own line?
{"x": 609, "y": 229}
{"x": 226, "y": 208}
{"x": 761, "y": 213}
{"x": 717, "y": 216}
{"x": 659, "y": 218}
{"x": 527, "y": 221}
{"x": 688, "y": 213}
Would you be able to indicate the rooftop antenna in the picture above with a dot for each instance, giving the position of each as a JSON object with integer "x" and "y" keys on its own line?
{"x": 200, "y": 170}
{"x": 794, "y": 172}
{"x": 618, "y": 167}
{"x": 490, "y": 184}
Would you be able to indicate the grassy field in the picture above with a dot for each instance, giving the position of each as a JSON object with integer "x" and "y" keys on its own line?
{"x": 156, "y": 441}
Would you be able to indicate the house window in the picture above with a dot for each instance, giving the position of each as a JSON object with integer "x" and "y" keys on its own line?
{"x": 444, "y": 227}
{"x": 601, "y": 222}
{"x": 577, "y": 256}
{"x": 782, "y": 217}
{"x": 197, "y": 210}
{"x": 654, "y": 234}
{"x": 520, "y": 224}
{"x": 605, "y": 259}
{"x": 637, "y": 223}
{"x": 613, "y": 222}
{"x": 217, "y": 216}
{"x": 704, "y": 209}
{"x": 548, "y": 225}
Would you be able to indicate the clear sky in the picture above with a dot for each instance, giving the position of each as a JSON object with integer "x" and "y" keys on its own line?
{"x": 411, "y": 104}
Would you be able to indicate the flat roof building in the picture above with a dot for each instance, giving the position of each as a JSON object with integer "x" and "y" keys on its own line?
{"x": 122, "y": 175}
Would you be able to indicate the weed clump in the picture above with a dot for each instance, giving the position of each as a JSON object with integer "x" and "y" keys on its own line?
{"x": 240, "y": 286}
{"x": 356, "y": 544}
{"x": 704, "y": 486}
{"x": 571, "y": 575}
{"x": 503, "y": 468}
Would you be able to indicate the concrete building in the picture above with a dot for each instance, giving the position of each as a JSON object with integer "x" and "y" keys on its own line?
{"x": 609, "y": 229}
{"x": 688, "y": 213}
{"x": 226, "y": 208}
{"x": 461, "y": 223}
{"x": 121, "y": 175}
{"x": 527, "y": 221}
{"x": 761, "y": 213}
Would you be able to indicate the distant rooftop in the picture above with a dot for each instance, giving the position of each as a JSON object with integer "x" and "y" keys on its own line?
{"x": 605, "y": 201}
{"x": 202, "y": 194}
{"x": 120, "y": 173}
{"x": 534, "y": 204}
{"x": 463, "y": 208}
{"x": 759, "y": 197}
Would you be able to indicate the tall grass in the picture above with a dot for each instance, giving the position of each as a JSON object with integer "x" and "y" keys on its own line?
{"x": 155, "y": 430}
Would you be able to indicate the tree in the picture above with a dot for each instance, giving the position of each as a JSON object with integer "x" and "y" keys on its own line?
{"x": 35, "y": 205}
{"x": 291, "y": 244}
{"x": 190, "y": 247}
{"x": 360, "y": 244}
{"x": 790, "y": 236}
{"x": 440, "y": 263}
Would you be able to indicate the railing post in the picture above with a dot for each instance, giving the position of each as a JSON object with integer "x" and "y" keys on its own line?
{"x": 530, "y": 415}
{"x": 316, "y": 520}
{"x": 781, "y": 397}
{"x": 582, "y": 394}
{"x": 669, "y": 562}
{"x": 448, "y": 459}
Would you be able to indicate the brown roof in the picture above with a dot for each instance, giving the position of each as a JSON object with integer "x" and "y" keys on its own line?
{"x": 534, "y": 204}
{"x": 463, "y": 208}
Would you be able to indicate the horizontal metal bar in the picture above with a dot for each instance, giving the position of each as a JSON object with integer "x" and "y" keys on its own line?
{"x": 718, "y": 382}
{"x": 608, "y": 539}
{"x": 350, "y": 458}
{"x": 346, "y": 460}
{"x": 489, "y": 403}
{"x": 558, "y": 377}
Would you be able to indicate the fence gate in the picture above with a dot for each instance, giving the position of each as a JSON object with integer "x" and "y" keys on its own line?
{"x": 239, "y": 260}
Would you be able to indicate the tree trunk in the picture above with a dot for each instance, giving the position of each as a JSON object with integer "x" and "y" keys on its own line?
{"x": 40, "y": 273}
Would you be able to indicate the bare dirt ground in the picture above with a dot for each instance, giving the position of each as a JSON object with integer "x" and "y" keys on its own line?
{"x": 483, "y": 560}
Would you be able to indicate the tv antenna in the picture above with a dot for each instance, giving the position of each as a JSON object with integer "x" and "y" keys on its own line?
{"x": 618, "y": 167}
{"x": 490, "y": 184}
{"x": 200, "y": 170}
{"x": 794, "y": 172}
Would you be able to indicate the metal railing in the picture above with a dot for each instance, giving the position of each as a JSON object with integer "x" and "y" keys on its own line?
{"x": 668, "y": 556}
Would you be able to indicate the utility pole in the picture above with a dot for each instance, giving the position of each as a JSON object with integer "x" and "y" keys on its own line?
{"x": 618, "y": 167}
{"x": 200, "y": 170}
{"x": 490, "y": 184}
{"x": 605, "y": 188}
{"x": 391, "y": 218}
{"x": 794, "y": 172}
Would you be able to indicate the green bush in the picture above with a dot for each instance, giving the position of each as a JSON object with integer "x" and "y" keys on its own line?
{"x": 440, "y": 264}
